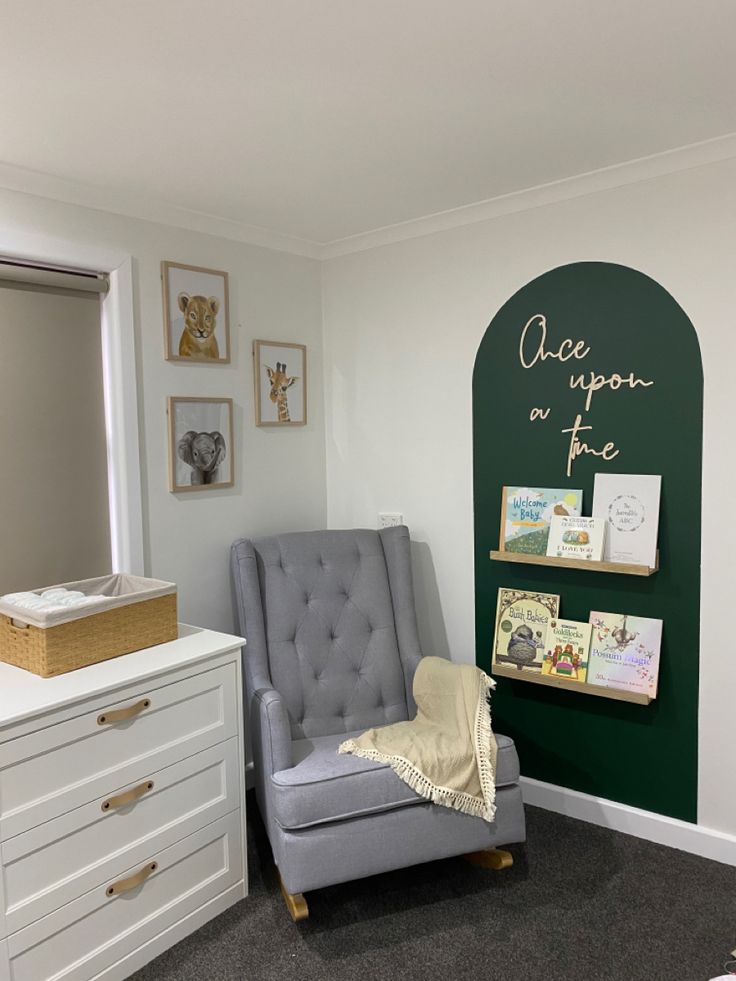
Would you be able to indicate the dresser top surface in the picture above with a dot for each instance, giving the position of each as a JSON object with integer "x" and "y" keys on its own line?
{"x": 23, "y": 695}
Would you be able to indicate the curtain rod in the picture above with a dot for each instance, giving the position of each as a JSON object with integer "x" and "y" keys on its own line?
{"x": 31, "y": 274}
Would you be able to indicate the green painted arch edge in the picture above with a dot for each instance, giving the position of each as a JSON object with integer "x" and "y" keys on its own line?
{"x": 645, "y": 756}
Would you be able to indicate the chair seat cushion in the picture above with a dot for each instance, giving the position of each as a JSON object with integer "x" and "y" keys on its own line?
{"x": 324, "y": 785}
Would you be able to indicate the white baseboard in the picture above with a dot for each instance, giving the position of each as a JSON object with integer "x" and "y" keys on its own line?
{"x": 694, "y": 838}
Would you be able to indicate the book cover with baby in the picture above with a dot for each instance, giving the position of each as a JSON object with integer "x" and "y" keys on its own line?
{"x": 526, "y": 513}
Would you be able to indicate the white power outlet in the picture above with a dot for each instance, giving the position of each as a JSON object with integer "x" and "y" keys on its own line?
{"x": 390, "y": 519}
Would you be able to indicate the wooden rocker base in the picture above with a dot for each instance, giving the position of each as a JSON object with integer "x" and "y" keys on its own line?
{"x": 492, "y": 858}
{"x": 295, "y": 903}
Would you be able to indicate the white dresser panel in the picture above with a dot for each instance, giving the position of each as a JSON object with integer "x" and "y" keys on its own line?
{"x": 84, "y": 937}
{"x": 122, "y": 807}
{"x": 55, "y": 769}
{"x": 51, "y": 864}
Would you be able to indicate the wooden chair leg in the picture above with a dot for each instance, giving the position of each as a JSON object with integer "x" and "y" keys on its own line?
{"x": 295, "y": 903}
{"x": 493, "y": 858}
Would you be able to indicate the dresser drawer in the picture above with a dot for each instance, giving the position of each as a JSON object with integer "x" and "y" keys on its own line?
{"x": 81, "y": 939}
{"x": 56, "y": 862}
{"x": 56, "y": 769}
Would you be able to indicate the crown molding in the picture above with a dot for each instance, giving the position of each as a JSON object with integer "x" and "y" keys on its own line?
{"x": 151, "y": 209}
{"x": 617, "y": 175}
{"x": 140, "y": 206}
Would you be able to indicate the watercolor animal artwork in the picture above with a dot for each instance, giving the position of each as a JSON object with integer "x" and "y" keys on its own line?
{"x": 203, "y": 452}
{"x": 200, "y": 319}
{"x": 280, "y": 382}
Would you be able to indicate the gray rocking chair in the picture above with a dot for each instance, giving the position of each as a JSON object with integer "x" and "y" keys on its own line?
{"x": 331, "y": 651}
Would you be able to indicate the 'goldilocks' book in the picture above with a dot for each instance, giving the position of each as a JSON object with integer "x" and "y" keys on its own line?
{"x": 577, "y": 538}
{"x": 624, "y": 652}
{"x": 566, "y": 650}
{"x": 522, "y": 618}
{"x": 526, "y": 513}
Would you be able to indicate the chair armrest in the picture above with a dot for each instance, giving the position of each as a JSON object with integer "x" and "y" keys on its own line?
{"x": 271, "y": 731}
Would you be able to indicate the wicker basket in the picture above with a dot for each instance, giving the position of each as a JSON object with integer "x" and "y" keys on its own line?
{"x": 135, "y": 613}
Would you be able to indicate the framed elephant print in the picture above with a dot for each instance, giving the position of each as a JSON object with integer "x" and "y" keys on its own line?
{"x": 280, "y": 372}
{"x": 196, "y": 313}
{"x": 200, "y": 443}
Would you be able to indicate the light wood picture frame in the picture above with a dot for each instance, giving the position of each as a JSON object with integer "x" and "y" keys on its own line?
{"x": 201, "y": 441}
{"x": 280, "y": 376}
{"x": 196, "y": 313}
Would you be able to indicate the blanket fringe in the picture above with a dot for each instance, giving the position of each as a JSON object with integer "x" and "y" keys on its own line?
{"x": 455, "y": 799}
{"x": 484, "y": 739}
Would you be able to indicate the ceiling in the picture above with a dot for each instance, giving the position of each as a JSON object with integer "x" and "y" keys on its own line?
{"x": 323, "y": 119}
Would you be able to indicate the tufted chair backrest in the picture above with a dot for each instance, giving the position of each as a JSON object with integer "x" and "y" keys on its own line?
{"x": 317, "y": 611}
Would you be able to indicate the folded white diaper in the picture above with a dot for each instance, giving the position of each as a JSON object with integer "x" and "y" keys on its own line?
{"x": 51, "y": 600}
{"x": 58, "y": 592}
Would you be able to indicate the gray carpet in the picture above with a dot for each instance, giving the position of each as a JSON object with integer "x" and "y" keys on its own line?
{"x": 580, "y": 904}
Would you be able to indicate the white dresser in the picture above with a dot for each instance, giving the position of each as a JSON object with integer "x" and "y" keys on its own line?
{"x": 122, "y": 807}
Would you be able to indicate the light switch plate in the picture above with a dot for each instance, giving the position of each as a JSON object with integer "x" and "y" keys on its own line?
{"x": 390, "y": 519}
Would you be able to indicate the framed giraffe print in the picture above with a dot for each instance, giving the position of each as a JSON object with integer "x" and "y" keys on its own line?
{"x": 280, "y": 374}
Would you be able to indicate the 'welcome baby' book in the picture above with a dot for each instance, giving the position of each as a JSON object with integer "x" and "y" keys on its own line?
{"x": 526, "y": 513}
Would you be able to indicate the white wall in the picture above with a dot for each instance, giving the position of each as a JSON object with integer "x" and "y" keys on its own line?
{"x": 280, "y": 475}
{"x": 402, "y": 326}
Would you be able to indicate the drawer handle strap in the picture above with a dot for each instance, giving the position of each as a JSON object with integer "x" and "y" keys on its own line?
{"x": 128, "y": 796}
{"x": 120, "y": 715}
{"x": 125, "y": 885}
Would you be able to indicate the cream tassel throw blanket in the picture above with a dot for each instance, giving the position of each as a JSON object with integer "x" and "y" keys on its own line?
{"x": 448, "y": 752}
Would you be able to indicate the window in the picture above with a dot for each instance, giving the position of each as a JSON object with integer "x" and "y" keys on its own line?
{"x": 54, "y": 499}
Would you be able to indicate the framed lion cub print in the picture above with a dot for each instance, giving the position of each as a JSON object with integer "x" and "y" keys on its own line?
{"x": 196, "y": 313}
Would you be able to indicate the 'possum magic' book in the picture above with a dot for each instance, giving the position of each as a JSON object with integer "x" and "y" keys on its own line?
{"x": 522, "y": 618}
{"x": 624, "y": 652}
{"x": 526, "y": 513}
{"x": 567, "y": 647}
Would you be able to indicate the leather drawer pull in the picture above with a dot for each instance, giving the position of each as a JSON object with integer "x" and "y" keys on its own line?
{"x": 128, "y": 797}
{"x": 125, "y": 885}
{"x": 120, "y": 715}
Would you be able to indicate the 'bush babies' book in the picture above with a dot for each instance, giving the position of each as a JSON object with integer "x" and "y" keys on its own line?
{"x": 624, "y": 652}
{"x": 526, "y": 513}
{"x": 522, "y": 618}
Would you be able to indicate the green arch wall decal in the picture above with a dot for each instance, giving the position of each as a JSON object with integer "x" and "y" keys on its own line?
{"x": 645, "y": 756}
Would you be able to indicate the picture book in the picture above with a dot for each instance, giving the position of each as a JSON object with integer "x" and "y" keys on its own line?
{"x": 522, "y": 618}
{"x": 566, "y": 650}
{"x": 624, "y": 652}
{"x": 526, "y": 513}
{"x": 576, "y": 538}
{"x": 630, "y": 504}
